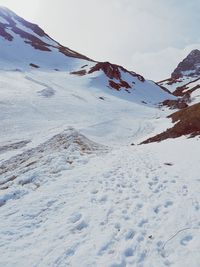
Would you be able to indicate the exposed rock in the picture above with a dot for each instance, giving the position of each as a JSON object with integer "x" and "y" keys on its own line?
{"x": 190, "y": 66}
{"x": 79, "y": 72}
{"x": 13, "y": 146}
{"x": 113, "y": 71}
{"x": 34, "y": 65}
{"x": 175, "y": 104}
{"x": 119, "y": 85}
{"x": 182, "y": 90}
{"x": 187, "y": 122}
{"x": 186, "y": 73}
{"x": 183, "y": 80}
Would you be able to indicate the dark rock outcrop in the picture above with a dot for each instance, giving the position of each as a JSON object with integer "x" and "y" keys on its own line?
{"x": 182, "y": 78}
{"x": 114, "y": 73}
{"x": 175, "y": 104}
{"x": 190, "y": 66}
{"x": 187, "y": 122}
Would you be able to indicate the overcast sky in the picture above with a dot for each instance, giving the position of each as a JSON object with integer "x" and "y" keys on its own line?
{"x": 146, "y": 36}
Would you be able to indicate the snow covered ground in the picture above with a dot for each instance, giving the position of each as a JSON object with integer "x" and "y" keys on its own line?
{"x": 86, "y": 196}
{"x": 134, "y": 206}
{"x": 41, "y": 103}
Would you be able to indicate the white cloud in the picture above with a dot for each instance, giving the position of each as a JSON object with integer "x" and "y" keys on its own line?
{"x": 159, "y": 65}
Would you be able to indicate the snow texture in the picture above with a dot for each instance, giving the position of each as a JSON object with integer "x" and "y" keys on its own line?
{"x": 76, "y": 187}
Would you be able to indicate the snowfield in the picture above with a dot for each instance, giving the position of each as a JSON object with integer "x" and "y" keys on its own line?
{"x": 91, "y": 195}
{"x": 77, "y": 188}
{"x": 134, "y": 206}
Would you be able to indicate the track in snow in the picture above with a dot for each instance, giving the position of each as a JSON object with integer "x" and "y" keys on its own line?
{"x": 120, "y": 209}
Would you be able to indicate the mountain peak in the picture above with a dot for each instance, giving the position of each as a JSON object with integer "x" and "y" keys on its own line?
{"x": 195, "y": 52}
{"x": 189, "y": 67}
{"x": 32, "y": 44}
{"x": 4, "y": 11}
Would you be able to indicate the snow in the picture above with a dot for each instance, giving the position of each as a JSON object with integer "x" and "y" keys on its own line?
{"x": 76, "y": 186}
{"x": 45, "y": 39}
{"x": 40, "y": 101}
{"x": 92, "y": 203}
{"x": 192, "y": 85}
{"x": 195, "y": 95}
{"x": 188, "y": 72}
{"x": 146, "y": 92}
{"x": 124, "y": 208}
{"x": 26, "y": 55}
{"x": 179, "y": 83}
{"x": 2, "y": 20}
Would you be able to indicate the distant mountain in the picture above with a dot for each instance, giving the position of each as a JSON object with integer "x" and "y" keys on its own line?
{"x": 189, "y": 67}
{"x": 185, "y": 85}
{"x": 185, "y": 79}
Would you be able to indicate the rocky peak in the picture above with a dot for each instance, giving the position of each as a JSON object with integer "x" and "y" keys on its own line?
{"x": 190, "y": 66}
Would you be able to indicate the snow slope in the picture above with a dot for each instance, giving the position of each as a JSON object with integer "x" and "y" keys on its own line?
{"x": 134, "y": 206}
{"x": 76, "y": 188}
{"x": 38, "y": 102}
{"x": 23, "y": 43}
{"x": 111, "y": 204}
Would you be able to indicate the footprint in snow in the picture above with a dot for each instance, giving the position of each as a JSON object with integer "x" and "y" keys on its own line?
{"x": 139, "y": 206}
{"x": 75, "y": 217}
{"x": 168, "y": 203}
{"x": 184, "y": 241}
{"x": 130, "y": 234}
{"x": 196, "y": 205}
{"x": 184, "y": 190}
{"x": 95, "y": 191}
{"x": 81, "y": 225}
{"x": 142, "y": 222}
{"x": 128, "y": 252}
{"x": 157, "y": 209}
{"x": 103, "y": 198}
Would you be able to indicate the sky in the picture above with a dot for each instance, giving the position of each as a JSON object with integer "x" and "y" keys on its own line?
{"x": 147, "y": 36}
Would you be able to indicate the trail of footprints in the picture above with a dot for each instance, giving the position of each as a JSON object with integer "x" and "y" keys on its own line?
{"x": 120, "y": 195}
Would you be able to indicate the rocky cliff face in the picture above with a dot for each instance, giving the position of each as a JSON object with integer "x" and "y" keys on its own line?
{"x": 190, "y": 66}
{"x": 185, "y": 80}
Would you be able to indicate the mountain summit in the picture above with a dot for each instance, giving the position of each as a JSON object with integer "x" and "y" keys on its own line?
{"x": 190, "y": 66}
{"x": 23, "y": 42}
{"x": 185, "y": 79}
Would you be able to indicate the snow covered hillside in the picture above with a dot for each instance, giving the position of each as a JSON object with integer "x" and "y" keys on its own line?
{"x": 77, "y": 187}
{"x": 24, "y": 44}
{"x": 185, "y": 79}
{"x": 25, "y": 47}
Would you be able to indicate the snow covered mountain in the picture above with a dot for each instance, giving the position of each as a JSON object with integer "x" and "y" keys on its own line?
{"x": 185, "y": 84}
{"x": 185, "y": 79}
{"x": 36, "y": 50}
{"x": 77, "y": 187}
{"x": 34, "y": 47}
